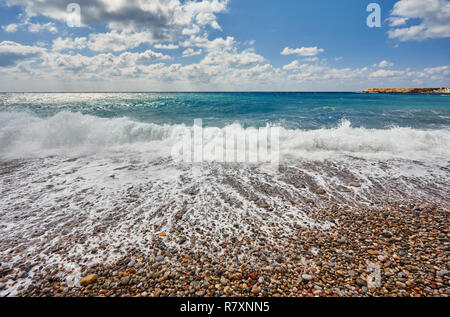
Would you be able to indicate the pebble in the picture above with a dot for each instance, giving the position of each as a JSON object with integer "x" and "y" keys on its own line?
{"x": 125, "y": 280}
{"x": 159, "y": 259}
{"x": 361, "y": 282}
{"x": 255, "y": 289}
{"x": 307, "y": 277}
{"x": 92, "y": 278}
{"x": 320, "y": 191}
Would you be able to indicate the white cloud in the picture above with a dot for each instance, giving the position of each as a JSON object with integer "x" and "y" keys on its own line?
{"x": 11, "y": 53}
{"x": 37, "y": 27}
{"x": 11, "y": 28}
{"x": 295, "y": 65}
{"x": 311, "y": 59}
{"x": 131, "y": 59}
{"x": 106, "y": 42}
{"x": 205, "y": 18}
{"x": 191, "y": 52}
{"x": 41, "y": 44}
{"x": 437, "y": 70}
{"x": 31, "y": 27}
{"x": 384, "y": 73}
{"x": 223, "y": 63}
{"x": 384, "y": 64}
{"x": 397, "y": 21}
{"x": 166, "y": 46}
{"x": 99, "y": 66}
{"x": 303, "y": 51}
{"x": 165, "y": 18}
{"x": 118, "y": 41}
{"x": 68, "y": 43}
{"x": 434, "y": 16}
{"x": 191, "y": 31}
{"x": 303, "y": 72}
{"x": 219, "y": 69}
{"x": 438, "y": 73}
{"x": 225, "y": 44}
{"x": 233, "y": 59}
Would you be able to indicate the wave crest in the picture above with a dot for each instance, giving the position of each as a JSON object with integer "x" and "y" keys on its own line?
{"x": 67, "y": 133}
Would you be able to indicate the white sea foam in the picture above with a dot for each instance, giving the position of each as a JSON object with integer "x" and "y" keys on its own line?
{"x": 123, "y": 185}
{"x": 73, "y": 134}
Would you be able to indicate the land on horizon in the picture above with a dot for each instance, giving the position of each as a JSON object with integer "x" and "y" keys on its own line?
{"x": 409, "y": 90}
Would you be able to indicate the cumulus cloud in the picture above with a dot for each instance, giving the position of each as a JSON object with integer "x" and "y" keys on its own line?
{"x": 302, "y": 72}
{"x": 11, "y": 28}
{"x": 11, "y": 53}
{"x": 101, "y": 65}
{"x": 384, "y": 73}
{"x": 162, "y": 17}
{"x": 311, "y": 59}
{"x": 308, "y": 72}
{"x": 191, "y": 31}
{"x": 384, "y": 64}
{"x": 68, "y": 43}
{"x": 37, "y": 27}
{"x": 438, "y": 73}
{"x": 295, "y": 65}
{"x": 219, "y": 68}
{"x": 233, "y": 59}
{"x": 191, "y": 52}
{"x": 438, "y": 70}
{"x": 115, "y": 41}
{"x": 105, "y": 42}
{"x": 31, "y": 27}
{"x": 219, "y": 43}
{"x": 166, "y": 46}
{"x": 223, "y": 62}
{"x": 433, "y": 17}
{"x": 131, "y": 59}
{"x": 303, "y": 51}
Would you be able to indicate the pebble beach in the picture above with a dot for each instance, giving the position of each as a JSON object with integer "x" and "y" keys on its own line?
{"x": 409, "y": 242}
{"x": 398, "y": 249}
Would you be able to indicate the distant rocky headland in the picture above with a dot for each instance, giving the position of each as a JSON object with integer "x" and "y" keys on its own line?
{"x": 407, "y": 91}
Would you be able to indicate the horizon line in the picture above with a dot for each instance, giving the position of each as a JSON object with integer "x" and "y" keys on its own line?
{"x": 199, "y": 91}
{"x": 184, "y": 91}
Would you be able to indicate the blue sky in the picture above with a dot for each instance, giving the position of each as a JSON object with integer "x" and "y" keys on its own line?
{"x": 173, "y": 45}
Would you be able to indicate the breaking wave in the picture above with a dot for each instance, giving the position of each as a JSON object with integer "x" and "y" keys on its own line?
{"x": 72, "y": 134}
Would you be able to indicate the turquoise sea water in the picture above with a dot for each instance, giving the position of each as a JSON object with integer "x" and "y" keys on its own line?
{"x": 364, "y": 125}
{"x": 290, "y": 110}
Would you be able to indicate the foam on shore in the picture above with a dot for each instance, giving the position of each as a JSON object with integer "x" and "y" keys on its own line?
{"x": 56, "y": 212}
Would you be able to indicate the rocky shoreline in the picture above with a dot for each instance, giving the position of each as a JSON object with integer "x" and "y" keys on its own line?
{"x": 312, "y": 229}
{"x": 407, "y": 90}
{"x": 399, "y": 250}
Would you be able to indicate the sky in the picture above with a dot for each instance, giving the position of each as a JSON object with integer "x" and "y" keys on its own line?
{"x": 222, "y": 45}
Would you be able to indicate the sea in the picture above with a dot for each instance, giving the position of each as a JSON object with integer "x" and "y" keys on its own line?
{"x": 82, "y": 169}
